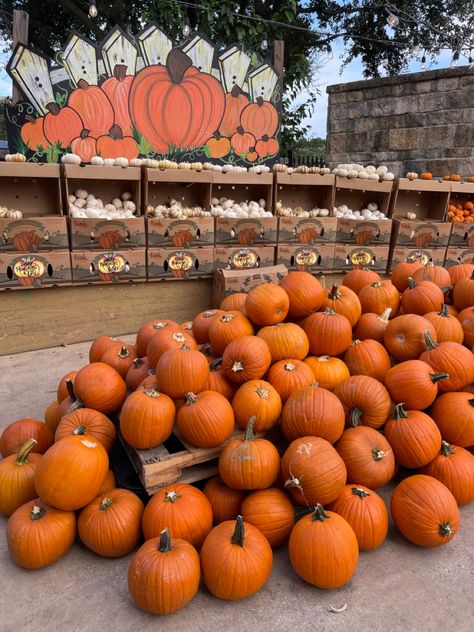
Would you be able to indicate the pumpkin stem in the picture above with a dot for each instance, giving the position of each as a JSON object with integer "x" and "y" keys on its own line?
{"x": 152, "y": 392}
{"x": 240, "y": 130}
{"x": 185, "y": 347}
{"x": 79, "y": 430}
{"x": 356, "y": 342}
{"x": 400, "y": 412}
{"x": 238, "y": 536}
{"x": 354, "y": 416}
{"x": 446, "y": 449}
{"x": 435, "y": 377}
{"x": 260, "y": 101}
{"x": 357, "y": 491}
{"x": 177, "y": 63}
{"x": 216, "y": 364}
{"x": 226, "y": 318}
{"x": 37, "y": 512}
{"x": 471, "y": 402}
{"x": 138, "y": 362}
{"x": 82, "y": 83}
{"x": 262, "y": 392}
{"x": 123, "y": 353}
{"x": 22, "y": 455}
{"x": 324, "y": 359}
{"x": 377, "y": 454}
{"x": 106, "y": 502}
{"x": 190, "y": 398}
{"x": 53, "y": 108}
{"x": 249, "y": 436}
{"x": 85, "y": 134}
{"x": 289, "y": 366}
{"x": 447, "y": 288}
{"x": 160, "y": 325}
{"x": 319, "y": 514}
{"x": 329, "y": 312}
{"x": 376, "y": 284}
{"x": 237, "y": 366}
{"x": 429, "y": 342}
{"x": 120, "y": 72}
{"x": 445, "y": 529}
{"x": 75, "y": 402}
{"x": 411, "y": 283}
{"x": 165, "y": 541}
{"x": 210, "y": 313}
{"x": 178, "y": 337}
{"x": 265, "y": 138}
{"x": 334, "y": 293}
{"x": 444, "y": 311}
{"x": 172, "y": 497}
{"x": 385, "y": 315}
{"x": 235, "y": 92}
{"x": 293, "y": 482}
{"x": 116, "y": 132}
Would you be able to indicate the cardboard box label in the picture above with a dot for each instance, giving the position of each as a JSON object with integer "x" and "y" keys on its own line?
{"x": 32, "y": 235}
{"x": 422, "y": 234}
{"x": 34, "y": 270}
{"x": 180, "y": 264}
{"x": 108, "y": 267}
{"x": 246, "y": 232}
{"x": 347, "y": 257}
{"x": 459, "y": 255}
{"x": 107, "y": 234}
{"x": 243, "y": 258}
{"x": 423, "y": 255}
{"x": 297, "y": 230}
{"x": 462, "y": 234}
{"x": 364, "y": 233}
{"x": 308, "y": 259}
{"x": 181, "y": 233}
{"x": 231, "y": 281}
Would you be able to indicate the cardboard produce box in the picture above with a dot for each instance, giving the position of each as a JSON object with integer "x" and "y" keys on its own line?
{"x": 303, "y": 230}
{"x": 316, "y": 258}
{"x": 250, "y": 231}
{"x": 458, "y": 255}
{"x": 357, "y": 193}
{"x": 348, "y": 256}
{"x": 180, "y": 233}
{"x": 182, "y": 264}
{"x": 33, "y": 234}
{"x": 191, "y": 188}
{"x": 421, "y": 233}
{"x": 120, "y": 266}
{"x": 424, "y": 255}
{"x": 243, "y": 187}
{"x": 232, "y": 281}
{"x": 306, "y": 190}
{"x": 34, "y": 270}
{"x": 427, "y": 198}
{"x": 364, "y": 232}
{"x": 462, "y": 234}
{"x": 106, "y": 234}
{"x": 243, "y": 258}
{"x": 462, "y": 192}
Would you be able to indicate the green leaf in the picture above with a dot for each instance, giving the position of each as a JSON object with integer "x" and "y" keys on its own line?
{"x": 144, "y": 146}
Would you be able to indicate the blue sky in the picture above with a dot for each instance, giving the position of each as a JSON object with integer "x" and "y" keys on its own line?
{"x": 328, "y": 74}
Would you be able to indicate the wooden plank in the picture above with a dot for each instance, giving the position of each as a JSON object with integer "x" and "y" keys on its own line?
{"x": 20, "y": 36}
{"x": 279, "y": 61}
{"x": 49, "y": 317}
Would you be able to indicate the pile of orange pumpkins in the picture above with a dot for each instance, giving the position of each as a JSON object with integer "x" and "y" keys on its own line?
{"x": 364, "y": 381}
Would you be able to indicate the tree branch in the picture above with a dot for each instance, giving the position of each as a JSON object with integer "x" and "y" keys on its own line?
{"x": 70, "y": 6}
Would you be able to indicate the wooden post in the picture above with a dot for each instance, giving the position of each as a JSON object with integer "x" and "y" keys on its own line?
{"x": 20, "y": 36}
{"x": 278, "y": 61}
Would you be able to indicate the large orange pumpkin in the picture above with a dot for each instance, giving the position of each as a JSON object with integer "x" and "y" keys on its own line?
{"x": 61, "y": 125}
{"x": 287, "y": 376}
{"x": 17, "y": 473}
{"x": 32, "y": 133}
{"x": 147, "y": 418}
{"x": 328, "y": 372}
{"x": 176, "y": 105}
{"x": 422, "y": 297}
{"x": 366, "y": 401}
{"x": 271, "y": 511}
{"x": 100, "y": 387}
{"x": 260, "y": 118}
{"x": 267, "y": 304}
{"x": 117, "y": 88}
{"x": 285, "y": 340}
{"x": 343, "y": 301}
{"x": 181, "y": 371}
{"x": 247, "y": 358}
{"x": 205, "y": 420}
{"x": 305, "y": 292}
{"x": 87, "y": 421}
{"x": 16, "y": 433}
{"x": 94, "y": 108}
{"x": 113, "y": 144}
{"x": 228, "y": 327}
{"x": 328, "y": 333}
{"x": 379, "y": 296}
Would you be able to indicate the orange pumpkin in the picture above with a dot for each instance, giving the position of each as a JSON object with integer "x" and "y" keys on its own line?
{"x": 377, "y": 297}
{"x": 181, "y": 371}
{"x": 100, "y": 387}
{"x": 454, "y": 467}
{"x": 267, "y": 304}
{"x": 228, "y": 327}
{"x": 305, "y": 292}
{"x": 289, "y": 375}
{"x": 176, "y": 105}
{"x": 235, "y": 102}
{"x": 257, "y": 398}
{"x": 328, "y": 333}
{"x": 117, "y": 88}
{"x": 32, "y": 133}
{"x": 17, "y": 474}
{"x": 242, "y": 142}
{"x": 148, "y": 330}
{"x": 267, "y": 146}
{"x": 357, "y": 278}
{"x": 225, "y": 502}
{"x": 205, "y": 420}
{"x": 271, "y": 511}
{"x": 344, "y": 301}
{"x": 366, "y": 401}
{"x": 116, "y": 145}
{"x": 448, "y": 328}
{"x": 90, "y": 422}
{"x": 218, "y": 146}
{"x": 328, "y": 372}
{"x": 402, "y": 271}
{"x": 234, "y": 302}
{"x": 94, "y": 108}
{"x": 247, "y": 358}
{"x": 372, "y": 325}
{"x": 61, "y": 125}
{"x": 367, "y": 357}
{"x": 15, "y": 434}
{"x": 84, "y": 146}
{"x": 260, "y": 118}
{"x": 285, "y": 340}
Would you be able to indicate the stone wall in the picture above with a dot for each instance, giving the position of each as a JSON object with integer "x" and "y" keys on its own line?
{"x": 411, "y": 122}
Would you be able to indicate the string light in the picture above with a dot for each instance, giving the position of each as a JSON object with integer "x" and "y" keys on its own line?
{"x": 93, "y": 9}
{"x": 186, "y": 30}
{"x": 392, "y": 19}
{"x": 415, "y": 51}
{"x": 264, "y": 44}
{"x": 455, "y": 59}
{"x": 423, "y": 62}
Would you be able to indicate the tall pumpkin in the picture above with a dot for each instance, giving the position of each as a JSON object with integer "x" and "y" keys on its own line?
{"x": 323, "y": 549}
{"x": 343, "y": 301}
{"x": 176, "y": 105}
{"x": 181, "y": 371}
{"x": 17, "y": 473}
{"x": 117, "y": 89}
{"x": 260, "y": 118}
{"x": 454, "y": 467}
{"x": 94, "y": 108}
{"x": 235, "y": 102}
{"x": 424, "y": 511}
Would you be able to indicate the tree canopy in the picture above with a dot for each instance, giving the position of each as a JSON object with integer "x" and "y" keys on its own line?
{"x": 428, "y": 25}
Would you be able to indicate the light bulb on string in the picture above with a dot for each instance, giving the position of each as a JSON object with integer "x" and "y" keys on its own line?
{"x": 415, "y": 51}
{"x": 93, "y": 9}
{"x": 264, "y": 44}
{"x": 392, "y": 19}
{"x": 329, "y": 52}
{"x": 455, "y": 59}
{"x": 423, "y": 62}
{"x": 186, "y": 30}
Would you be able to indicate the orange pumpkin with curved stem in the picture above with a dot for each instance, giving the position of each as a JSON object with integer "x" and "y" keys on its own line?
{"x": 15, "y": 434}
{"x": 424, "y": 511}
{"x": 366, "y": 513}
{"x": 448, "y": 328}
{"x": 38, "y": 534}
{"x": 94, "y": 108}
{"x": 184, "y": 508}
{"x": 260, "y": 118}
{"x": 404, "y": 336}
{"x": 257, "y": 398}
{"x": 86, "y": 421}
{"x": 313, "y": 471}
{"x": 315, "y": 412}
{"x": 454, "y": 467}
{"x": 147, "y": 418}
{"x": 228, "y": 327}
{"x": 451, "y": 358}
{"x": 285, "y": 340}
{"x": 287, "y": 376}
{"x": 357, "y": 278}
{"x": 421, "y": 298}
{"x": 205, "y": 420}
{"x": 117, "y": 88}
{"x": 414, "y": 383}
{"x": 328, "y": 372}
{"x": 305, "y": 292}
{"x": 367, "y": 455}
{"x": 17, "y": 474}
{"x": 100, "y": 387}
{"x": 271, "y": 512}
{"x": 176, "y": 105}
{"x": 61, "y": 125}
{"x": 235, "y": 102}
{"x": 366, "y": 401}
{"x": 372, "y": 326}
{"x": 247, "y": 358}
{"x": 84, "y": 146}
{"x": 323, "y": 549}
{"x": 367, "y": 357}
{"x": 344, "y": 301}
{"x": 242, "y": 142}
{"x": 402, "y": 271}
{"x": 225, "y": 501}
{"x": 115, "y": 145}
{"x": 32, "y": 133}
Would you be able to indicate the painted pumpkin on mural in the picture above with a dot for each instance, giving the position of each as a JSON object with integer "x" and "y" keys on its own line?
{"x": 218, "y": 146}
{"x": 84, "y": 146}
{"x": 242, "y": 142}
{"x": 235, "y": 102}
{"x": 266, "y": 146}
{"x": 94, "y": 108}
{"x": 116, "y": 145}
{"x": 176, "y": 105}
{"x": 260, "y": 118}
{"x": 61, "y": 125}
{"x": 32, "y": 133}
{"x": 117, "y": 88}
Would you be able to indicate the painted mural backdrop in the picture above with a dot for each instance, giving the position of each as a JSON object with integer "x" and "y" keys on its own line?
{"x": 145, "y": 97}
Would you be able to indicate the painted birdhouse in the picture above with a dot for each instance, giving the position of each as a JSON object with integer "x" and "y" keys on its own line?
{"x": 154, "y": 46}
{"x": 234, "y": 65}
{"x": 31, "y": 73}
{"x": 118, "y": 50}
{"x": 80, "y": 61}
{"x": 262, "y": 82}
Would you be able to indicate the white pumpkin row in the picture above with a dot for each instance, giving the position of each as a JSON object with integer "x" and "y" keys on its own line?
{"x": 15, "y": 158}
{"x": 372, "y": 212}
{"x": 83, "y": 204}
{"x": 98, "y": 161}
{"x": 176, "y": 210}
{"x": 370, "y": 172}
{"x": 281, "y": 168}
{"x": 298, "y": 211}
{"x": 10, "y": 213}
{"x": 225, "y": 207}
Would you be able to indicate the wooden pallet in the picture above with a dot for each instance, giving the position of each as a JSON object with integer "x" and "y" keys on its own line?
{"x": 175, "y": 460}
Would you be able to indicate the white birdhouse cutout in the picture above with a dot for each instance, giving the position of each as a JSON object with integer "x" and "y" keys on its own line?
{"x": 262, "y": 82}
{"x": 201, "y": 53}
{"x": 31, "y": 73}
{"x": 234, "y": 65}
{"x": 118, "y": 50}
{"x": 80, "y": 61}
{"x": 154, "y": 46}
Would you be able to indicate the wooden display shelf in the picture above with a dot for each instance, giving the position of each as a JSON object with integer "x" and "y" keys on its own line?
{"x": 357, "y": 193}
{"x": 427, "y": 198}
{"x": 191, "y": 188}
{"x": 244, "y": 186}
{"x": 305, "y": 190}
